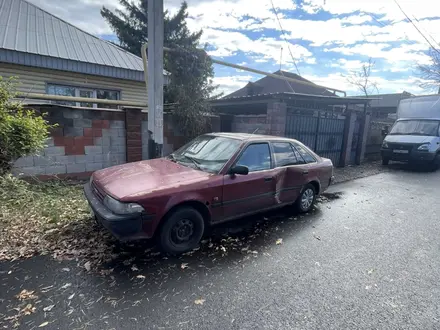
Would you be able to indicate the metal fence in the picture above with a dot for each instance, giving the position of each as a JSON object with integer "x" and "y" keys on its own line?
{"x": 323, "y": 132}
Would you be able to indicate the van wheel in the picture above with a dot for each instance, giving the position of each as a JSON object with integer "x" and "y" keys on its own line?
{"x": 181, "y": 232}
{"x": 434, "y": 166}
{"x": 385, "y": 161}
{"x": 306, "y": 199}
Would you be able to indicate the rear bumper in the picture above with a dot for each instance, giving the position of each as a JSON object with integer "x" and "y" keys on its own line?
{"x": 123, "y": 227}
{"x": 411, "y": 156}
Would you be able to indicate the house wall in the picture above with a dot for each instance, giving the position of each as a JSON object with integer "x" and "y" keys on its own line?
{"x": 33, "y": 80}
{"x": 250, "y": 124}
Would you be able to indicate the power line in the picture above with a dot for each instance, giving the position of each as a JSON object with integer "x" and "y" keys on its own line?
{"x": 282, "y": 31}
{"x": 415, "y": 26}
{"x": 427, "y": 32}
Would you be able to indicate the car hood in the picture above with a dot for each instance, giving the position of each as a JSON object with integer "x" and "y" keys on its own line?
{"x": 132, "y": 181}
{"x": 409, "y": 138}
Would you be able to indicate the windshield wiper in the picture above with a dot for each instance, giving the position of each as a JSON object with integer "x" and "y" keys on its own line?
{"x": 195, "y": 162}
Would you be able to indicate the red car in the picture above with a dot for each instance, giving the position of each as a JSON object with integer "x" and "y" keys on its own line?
{"x": 214, "y": 178}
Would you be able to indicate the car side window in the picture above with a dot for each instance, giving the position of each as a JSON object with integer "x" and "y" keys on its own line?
{"x": 284, "y": 154}
{"x": 256, "y": 157}
{"x": 308, "y": 158}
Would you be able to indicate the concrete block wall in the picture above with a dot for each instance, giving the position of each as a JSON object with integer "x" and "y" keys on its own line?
{"x": 83, "y": 141}
{"x": 250, "y": 124}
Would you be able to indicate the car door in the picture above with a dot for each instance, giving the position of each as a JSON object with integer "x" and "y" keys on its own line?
{"x": 243, "y": 194}
{"x": 292, "y": 175}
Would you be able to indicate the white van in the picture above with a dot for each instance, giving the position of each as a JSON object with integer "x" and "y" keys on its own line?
{"x": 415, "y": 136}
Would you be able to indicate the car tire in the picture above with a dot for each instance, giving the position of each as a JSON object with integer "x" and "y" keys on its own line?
{"x": 306, "y": 199}
{"x": 385, "y": 161}
{"x": 182, "y": 231}
{"x": 434, "y": 166}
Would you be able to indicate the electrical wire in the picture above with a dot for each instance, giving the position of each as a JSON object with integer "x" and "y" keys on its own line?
{"x": 282, "y": 31}
{"x": 415, "y": 26}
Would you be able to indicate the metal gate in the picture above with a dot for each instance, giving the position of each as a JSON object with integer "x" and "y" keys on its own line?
{"x": 356, "y": 140}
{"x": 323, "y": 133}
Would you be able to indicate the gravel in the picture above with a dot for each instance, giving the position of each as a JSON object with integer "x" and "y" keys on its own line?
{"x": 351, "y": 172}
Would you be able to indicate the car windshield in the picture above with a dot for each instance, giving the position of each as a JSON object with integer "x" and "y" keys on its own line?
{"x": 416, "y": 127}
{"x": 207, "y": 152}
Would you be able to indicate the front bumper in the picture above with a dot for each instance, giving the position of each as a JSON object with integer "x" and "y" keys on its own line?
{"x": 123, "y": 227}
{"x": 411, "y": 156}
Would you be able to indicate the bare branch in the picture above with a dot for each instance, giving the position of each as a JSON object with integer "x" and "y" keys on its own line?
{"x": 362, "y": 79}
{"x": 430, "y": 73}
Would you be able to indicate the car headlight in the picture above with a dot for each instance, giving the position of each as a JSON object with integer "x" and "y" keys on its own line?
{"x": 385, "y": 144}
{"x": 424, "y": 147}
{"x": 122, "y": 208}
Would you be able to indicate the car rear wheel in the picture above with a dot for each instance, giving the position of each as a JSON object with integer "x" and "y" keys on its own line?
{"x": 306, "y": 199}
{"x": 181, "y": 231}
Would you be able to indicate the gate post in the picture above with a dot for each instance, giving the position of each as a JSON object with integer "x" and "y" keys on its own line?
{"x": 365, "y": 125}
{"x": 347, "y": 142}
{"x": 277, "y": 118}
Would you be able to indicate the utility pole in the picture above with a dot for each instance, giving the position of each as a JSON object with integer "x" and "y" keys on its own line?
{"x": 155, "y": 74}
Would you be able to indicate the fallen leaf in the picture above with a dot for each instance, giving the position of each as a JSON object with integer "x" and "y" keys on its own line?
{"x": 48, "y": 308}
{"x": 66, "y": 269}
{"x": 199, "y": 301}
{"x": 88, "y": 266}
{"x": 317, "y": 237}
{"x": 28, "y": 310}
{"x": 370, "y": 271}
{"x": 223, "y": 248}
{"x": 140, "y": 277}
{"x": 279, "y": 241}
{"x": 25, "y": 294}
{"x": 134, "y": 268}
{"x": 65, "y": 286}
{"x": 184, "y": 266}
{"x": 71, "y": 296}
{"x": 43, "y": 324}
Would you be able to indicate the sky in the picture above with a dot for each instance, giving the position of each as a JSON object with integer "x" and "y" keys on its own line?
{"x": 327, "y": 39}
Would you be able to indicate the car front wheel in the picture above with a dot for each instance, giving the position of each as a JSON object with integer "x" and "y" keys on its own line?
{"x": 306, "y": 199}
{"x": 182, "y": 230}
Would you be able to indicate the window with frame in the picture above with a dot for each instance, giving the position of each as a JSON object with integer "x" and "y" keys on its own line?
{"x": 284, "y": 154}
{"x": 308, "y": 158}
{"x": 256, "y": 157}
{"x": 64, "y": 90}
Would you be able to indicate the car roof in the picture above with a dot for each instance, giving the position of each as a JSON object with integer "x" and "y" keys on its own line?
{"x": 251, "y": 137}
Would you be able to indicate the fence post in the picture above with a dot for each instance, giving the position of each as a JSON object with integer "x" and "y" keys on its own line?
{"x": 363, "y": 134}
{"x": 317, "y": 132}
{"x": 347, "y": 142}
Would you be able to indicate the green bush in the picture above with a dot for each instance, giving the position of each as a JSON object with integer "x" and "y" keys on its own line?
{"x": 22, "y": 131}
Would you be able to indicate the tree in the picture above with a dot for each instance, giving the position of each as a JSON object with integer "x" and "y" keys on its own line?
{"x": 191, "y": 69}
{"x": 22, "y": 131}
{"x": 362, "y": 79}
{"x": 430, "y": 73}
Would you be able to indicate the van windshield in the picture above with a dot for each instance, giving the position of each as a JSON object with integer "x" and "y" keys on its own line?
{"x": 416, "y": 127}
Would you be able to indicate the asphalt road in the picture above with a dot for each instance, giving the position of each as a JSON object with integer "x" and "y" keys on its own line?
{"x": 368, "y": 260}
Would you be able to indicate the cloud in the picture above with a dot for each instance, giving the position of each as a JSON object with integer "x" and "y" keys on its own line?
{"x": 225, "y": 43}
{"x": 229, "y": 84}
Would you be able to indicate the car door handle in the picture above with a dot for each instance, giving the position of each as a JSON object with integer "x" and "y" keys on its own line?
{"x": 305, "y": 172}
{"x": 268, "y": 179}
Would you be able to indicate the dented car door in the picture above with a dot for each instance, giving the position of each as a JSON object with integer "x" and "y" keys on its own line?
{"x": 292, "y": 172}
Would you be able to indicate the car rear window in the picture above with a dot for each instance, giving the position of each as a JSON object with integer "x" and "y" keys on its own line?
{"x": 284, "y": 154}
{"x": 308, "y": 158}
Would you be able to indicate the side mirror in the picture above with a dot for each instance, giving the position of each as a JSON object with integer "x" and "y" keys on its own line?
{"x": 239, "y": 169}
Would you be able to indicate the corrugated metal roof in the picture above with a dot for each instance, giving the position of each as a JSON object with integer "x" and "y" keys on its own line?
{"x": 28, "y": 29}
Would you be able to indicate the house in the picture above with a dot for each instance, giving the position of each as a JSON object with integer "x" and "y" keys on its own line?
{"x": 384, "y": 104}
{"x": 298, "y": 109}
{"x": 51, "y": 56}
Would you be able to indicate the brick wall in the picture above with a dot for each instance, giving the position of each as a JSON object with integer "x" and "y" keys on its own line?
{"x": 88, "y": 140}
{"x": 83, "y": 141}
{"x": 250, "y": 124}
